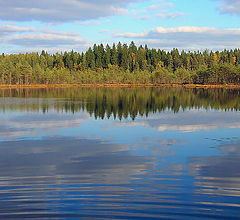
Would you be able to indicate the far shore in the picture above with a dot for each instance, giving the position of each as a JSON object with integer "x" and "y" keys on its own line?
{"x": 115, "y": 85}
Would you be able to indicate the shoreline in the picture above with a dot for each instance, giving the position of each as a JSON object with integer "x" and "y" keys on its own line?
{"x": 115, "y": 85}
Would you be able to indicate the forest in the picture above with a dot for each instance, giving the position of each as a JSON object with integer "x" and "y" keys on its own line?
{"x": 122, "y": 63}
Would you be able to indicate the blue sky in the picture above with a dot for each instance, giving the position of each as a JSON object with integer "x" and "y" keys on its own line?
{"x": 59, "y": 25}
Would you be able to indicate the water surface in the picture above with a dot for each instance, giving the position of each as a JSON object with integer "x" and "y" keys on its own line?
{"x": 142, "y": 153}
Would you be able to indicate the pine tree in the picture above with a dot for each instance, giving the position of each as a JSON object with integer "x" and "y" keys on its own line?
{"x": 114, "y": 55}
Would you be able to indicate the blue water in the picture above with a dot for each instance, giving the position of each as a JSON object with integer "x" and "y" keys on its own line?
{"x": 58, "y": 164}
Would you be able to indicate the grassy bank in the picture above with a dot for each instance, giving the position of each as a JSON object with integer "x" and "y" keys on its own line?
{"x": 115, "y": 85}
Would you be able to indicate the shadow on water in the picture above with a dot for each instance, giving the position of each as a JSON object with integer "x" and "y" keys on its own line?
{"x": 70, "y": 177}
{"x": 84, "y": 178}
{"x": 119, "y": 102}
{"x": 45, "y": 176}
{"x": 219, "y": 175}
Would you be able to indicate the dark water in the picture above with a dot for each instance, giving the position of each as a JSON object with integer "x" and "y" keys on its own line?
{"x": 120, "y": 153}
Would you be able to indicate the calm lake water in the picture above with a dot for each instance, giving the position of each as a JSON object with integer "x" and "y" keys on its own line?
{"x": 142, "y": 153}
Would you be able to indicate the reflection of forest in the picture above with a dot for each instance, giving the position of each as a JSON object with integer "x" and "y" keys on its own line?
{"x": 120, "y": 102}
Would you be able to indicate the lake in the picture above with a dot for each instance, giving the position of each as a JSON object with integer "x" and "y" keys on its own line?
{"x": 120, "y": 153}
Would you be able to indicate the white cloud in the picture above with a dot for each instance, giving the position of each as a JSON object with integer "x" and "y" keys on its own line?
{"x": 15, "y": 128}
{"x": 44, "y": 40}
{"x": 161, "y": 4}
{"x": 171, "y": 15}
{"x": 187, "y": 37}
{"x": 160, "y": 10}
{"x": 9, "y": 29}
{"x": 60, "y": 10}
{"x": 36, "y": 39}
{"x": 188, "y": 121}
{"x": 230, "y": 7}
{"x": 186, "y": 29}
{"x": 218, "y": 175}
{"x": 13, "y": 29}
{"x": 131, "y": 35}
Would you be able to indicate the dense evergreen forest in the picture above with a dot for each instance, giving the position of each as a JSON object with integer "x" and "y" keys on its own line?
{"x": 122, "y": 63}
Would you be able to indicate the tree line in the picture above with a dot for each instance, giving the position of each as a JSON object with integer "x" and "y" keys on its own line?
{"x": 122, "y": 63}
